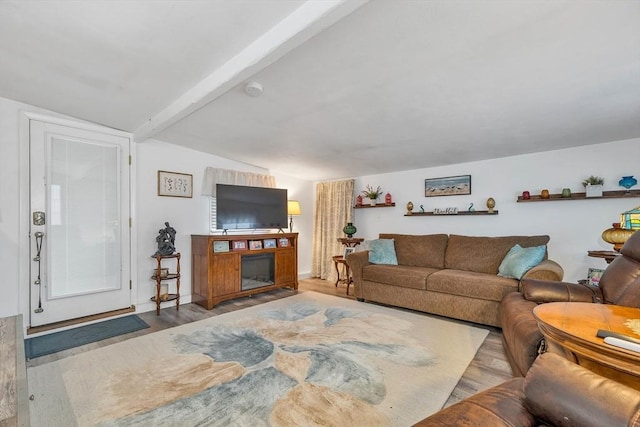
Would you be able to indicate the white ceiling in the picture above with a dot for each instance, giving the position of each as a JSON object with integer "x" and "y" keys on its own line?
{"x": 350, "y": 88}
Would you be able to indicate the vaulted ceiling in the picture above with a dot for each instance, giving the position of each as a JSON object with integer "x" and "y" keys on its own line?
{"x": 350, "y": 88}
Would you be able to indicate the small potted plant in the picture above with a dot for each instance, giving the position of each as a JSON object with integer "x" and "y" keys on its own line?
{"x": 593, "y": 186}
{"x": 372, "y": 194}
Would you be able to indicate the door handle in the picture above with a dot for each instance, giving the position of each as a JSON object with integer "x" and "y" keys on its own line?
{"x": 39, "y": 236}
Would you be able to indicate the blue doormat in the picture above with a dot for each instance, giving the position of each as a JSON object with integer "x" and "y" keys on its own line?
{"x": 58, "y": 341}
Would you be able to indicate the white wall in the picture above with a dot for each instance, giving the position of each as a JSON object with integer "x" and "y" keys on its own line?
{"x": 302, "y": 191}
{"x": 190, "y": 215}
{"x": 574, "y": 226}
{"x": 187, "y": 216}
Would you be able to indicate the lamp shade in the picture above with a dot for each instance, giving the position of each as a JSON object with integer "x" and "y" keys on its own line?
{"x": 293, "y": 207}
{"x": 630, "y": 220}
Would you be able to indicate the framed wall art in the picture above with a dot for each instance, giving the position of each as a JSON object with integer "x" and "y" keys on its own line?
{"x": 447, "y": 186}
{"x": 174, "y": 184}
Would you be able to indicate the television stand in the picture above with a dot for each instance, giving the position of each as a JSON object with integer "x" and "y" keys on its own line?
{"x": 217, "y": 269}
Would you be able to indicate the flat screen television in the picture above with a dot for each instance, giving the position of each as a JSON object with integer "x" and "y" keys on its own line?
{"x": 240, "y": 207}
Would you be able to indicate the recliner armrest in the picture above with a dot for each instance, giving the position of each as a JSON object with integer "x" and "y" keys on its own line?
{"x": 542, "y": 291}
{"x": 561, "y": 393}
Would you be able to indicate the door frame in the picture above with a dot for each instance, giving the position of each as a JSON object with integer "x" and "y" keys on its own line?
{"x": 24, "y": 244}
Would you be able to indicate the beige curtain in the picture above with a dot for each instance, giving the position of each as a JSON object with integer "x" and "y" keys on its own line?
{"x": 213, "y": 176}
{"x": 334, "y": 208}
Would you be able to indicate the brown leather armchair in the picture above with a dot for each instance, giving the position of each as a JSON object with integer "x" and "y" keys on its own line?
{"x": 555, "y": 392}
{"x": 521, "y": 338}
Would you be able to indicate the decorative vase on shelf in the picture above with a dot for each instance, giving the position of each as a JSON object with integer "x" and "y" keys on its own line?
{"x": 616, "y": 235}
{"x": 409, "y": 208}
{"x": 349, "y": 230}
{"x": 387, "y": 199}
{"x": 544, "y": 194}
{"x": 491, "y": 203}
{"x": 627, "y": 182}
{"x": 359, "y": 200}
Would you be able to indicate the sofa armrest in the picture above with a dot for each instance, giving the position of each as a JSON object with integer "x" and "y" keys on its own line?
{"x": 357, "y": 261}
{"x": 542, "y": 291}
{"x": 546, "y": 270}
{"x": 560, "y": 392}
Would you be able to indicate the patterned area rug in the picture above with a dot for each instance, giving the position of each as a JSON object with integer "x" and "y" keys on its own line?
{"x": 310, "y": 359}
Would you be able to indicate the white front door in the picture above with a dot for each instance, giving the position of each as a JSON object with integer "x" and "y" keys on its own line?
{"x": 80, "y": 234}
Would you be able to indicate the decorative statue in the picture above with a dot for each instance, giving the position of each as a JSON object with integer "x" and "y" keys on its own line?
{"x": 409, "y": 208}
{"x": 166, "y": 240}
{"x": 491, "y": 203}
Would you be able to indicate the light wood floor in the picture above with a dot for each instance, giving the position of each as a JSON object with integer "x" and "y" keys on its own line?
{"x": 487, "y": 369}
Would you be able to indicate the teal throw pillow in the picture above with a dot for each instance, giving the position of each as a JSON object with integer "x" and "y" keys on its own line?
{"x": 382, "y": 251}
{"x": 519, "y": 260}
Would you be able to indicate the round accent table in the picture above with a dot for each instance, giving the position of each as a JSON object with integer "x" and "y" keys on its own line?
{"x": 608, "y": 256}
{"x": 570, "y": 330}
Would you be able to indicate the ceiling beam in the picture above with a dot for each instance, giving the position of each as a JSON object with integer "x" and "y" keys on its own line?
{"x": 305, "y": 22}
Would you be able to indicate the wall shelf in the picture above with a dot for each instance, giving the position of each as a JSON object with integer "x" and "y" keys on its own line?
{"x": 460, "y": 213}
{"x": 620, "y": 194}
{"x": 379, "y": 205}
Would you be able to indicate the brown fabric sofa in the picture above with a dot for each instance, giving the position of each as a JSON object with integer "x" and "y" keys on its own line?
{"x": 448, "y": 275}
{"x": 555, "y": 392}
{"x": 521, "y": 338}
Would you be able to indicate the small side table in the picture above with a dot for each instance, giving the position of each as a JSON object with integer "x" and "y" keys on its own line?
{"x": 350, "y": 242}
{"x": 607, "y": 255}
{"x": 337, "y": 261}
{"x": 158, "y": 277}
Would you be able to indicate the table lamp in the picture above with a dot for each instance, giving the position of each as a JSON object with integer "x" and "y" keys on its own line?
{"x": 629, "y": 224}
{"x": 293, "y": 208}
{"x": 630, "y": 220}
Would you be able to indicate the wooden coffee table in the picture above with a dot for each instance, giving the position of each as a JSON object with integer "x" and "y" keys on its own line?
{"x": 570, "y": 330}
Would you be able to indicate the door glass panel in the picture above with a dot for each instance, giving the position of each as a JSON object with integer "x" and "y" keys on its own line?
{"x": 83, "y": 199}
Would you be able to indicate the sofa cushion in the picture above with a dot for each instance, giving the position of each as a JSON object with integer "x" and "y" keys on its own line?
{"x": 471, "y": 284}
{"x": 403, "y": 276}
{"x": 484, "y": 254}
{"x": 519, "y": 260}
{"x": 382, "y": 251}
{"x": 420, "y": 251}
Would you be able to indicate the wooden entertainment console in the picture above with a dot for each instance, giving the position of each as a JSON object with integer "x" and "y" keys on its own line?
{"x": 217, "y": 265}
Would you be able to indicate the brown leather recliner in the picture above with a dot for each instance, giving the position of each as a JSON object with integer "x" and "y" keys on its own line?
{"x": 555, "y": 392}
{"x": 521, "y": 338}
